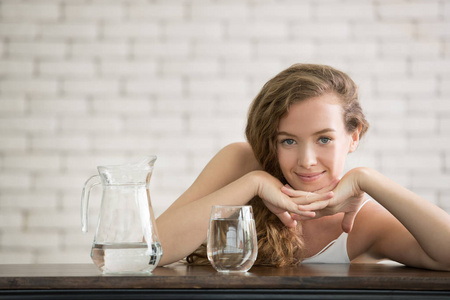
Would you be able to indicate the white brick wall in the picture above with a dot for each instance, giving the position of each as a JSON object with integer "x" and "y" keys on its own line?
{"x": 87, "y": 83}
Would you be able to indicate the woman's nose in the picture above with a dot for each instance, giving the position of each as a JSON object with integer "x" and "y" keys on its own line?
{"x": 307, "y": 157}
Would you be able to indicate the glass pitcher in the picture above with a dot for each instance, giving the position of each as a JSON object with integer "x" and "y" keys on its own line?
{"x": 126, "y": 240}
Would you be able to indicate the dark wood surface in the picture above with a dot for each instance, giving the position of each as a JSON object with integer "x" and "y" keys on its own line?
{"x": 181, "y": 276}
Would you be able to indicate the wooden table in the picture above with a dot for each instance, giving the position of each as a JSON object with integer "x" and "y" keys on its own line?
{"x": 180, "y": 281}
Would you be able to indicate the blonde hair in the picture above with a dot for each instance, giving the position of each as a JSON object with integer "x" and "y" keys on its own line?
{"x": 279, "y": 245}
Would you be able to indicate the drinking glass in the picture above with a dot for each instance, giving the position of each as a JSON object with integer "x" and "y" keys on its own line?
{"x": 232, "y": 244}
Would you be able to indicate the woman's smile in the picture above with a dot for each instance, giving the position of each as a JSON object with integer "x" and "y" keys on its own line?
{"x": 310, "y": 177}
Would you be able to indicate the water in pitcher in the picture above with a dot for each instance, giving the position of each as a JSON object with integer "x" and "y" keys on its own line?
{"x": 126, "y": 257}
{"x": 233, "y": 244}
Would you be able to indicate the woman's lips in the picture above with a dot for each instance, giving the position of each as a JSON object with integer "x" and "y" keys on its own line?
{"x": 309, "y": 177}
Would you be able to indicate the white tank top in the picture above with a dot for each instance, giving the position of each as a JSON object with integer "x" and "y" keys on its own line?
{"x": 333, "y": 253}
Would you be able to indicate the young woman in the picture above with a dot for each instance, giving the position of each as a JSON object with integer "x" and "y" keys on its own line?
{"x": 300, "y": 128}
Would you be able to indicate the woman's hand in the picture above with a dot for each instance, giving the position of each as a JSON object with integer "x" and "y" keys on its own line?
{"x": 270, "y": 190}
{"x": 347, "y": 198}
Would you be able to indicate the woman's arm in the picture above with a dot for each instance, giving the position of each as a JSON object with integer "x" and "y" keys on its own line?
{"x": 183, "y": 226}
{"x": 427, "y": 223}
{"x": 407, "y": 228}
{"x": 232, "y": 177}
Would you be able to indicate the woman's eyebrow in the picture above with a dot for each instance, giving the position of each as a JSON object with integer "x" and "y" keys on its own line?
{"x": 325, "y": 131}
{"x": 285, "y": 133}
{"x": 322, "y": 131}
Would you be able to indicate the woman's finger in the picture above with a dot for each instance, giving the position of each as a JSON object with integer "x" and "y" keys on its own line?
{"x": 318, "y": 205}
{"x": 312, "y": 198}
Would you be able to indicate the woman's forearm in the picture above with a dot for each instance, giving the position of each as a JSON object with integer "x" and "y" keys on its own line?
{"x": 429, "y": 224}
{"x": 182, "y": 229}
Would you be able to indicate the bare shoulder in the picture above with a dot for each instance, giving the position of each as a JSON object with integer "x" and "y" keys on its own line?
{"x": 238, "y": 156}
{"x": 370, "y": 222}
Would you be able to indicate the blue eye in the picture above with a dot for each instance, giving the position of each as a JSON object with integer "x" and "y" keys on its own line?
{"x": 288, "y": 142}
{"x": 324, "y": 140}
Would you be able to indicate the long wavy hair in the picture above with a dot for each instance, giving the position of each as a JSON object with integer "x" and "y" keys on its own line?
{"x": 279, "y": 245}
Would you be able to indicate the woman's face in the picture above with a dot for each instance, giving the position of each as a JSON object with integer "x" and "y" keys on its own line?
{"x": 313, "y": 143}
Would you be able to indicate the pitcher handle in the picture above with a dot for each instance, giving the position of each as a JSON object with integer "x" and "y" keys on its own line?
{"x": 89, "y": 184}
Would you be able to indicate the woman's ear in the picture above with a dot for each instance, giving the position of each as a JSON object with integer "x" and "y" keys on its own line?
{"x": 355, "y": 139}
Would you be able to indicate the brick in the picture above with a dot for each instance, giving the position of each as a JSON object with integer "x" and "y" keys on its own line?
{"x": 59, "y": 106}
{"x": 30, "y": 11}
{"x": 222, "y": 11}
{"x": 321, "y": 30}
{"x": 27, "y": 124}
{"x": 14, "y": 180}
{"x": 194, "y": 30}
{"x": 90, "y": 87}
{"x": 440, "y": 106}
{"x": 444, "y": 125}
{"x": 169, "y": 49}
{"x": 393, "y": 67}
{"x": 444, "y": 86}
{"x": 422, "y": 162}
{"x": 431, "y": 142}
{"x": 256, "y": 68}
{"x": 431, "y": 181}
{"x": 67, "y": 69}
{"x": 100, "y": 49}
{"x": 62, "y": 182}
{"x": 290, "y": 49}
{"x": 21, "y": 200}
{"x": 267, "y": 11}
{"x": 433, "y": 29}
{"x": 415, "y": 49}
{"x": 77, "y": 162}
{"x": 13, "y": 104}
{"x": 408, "y": 86}
{"x": 213, "y": 86}
{"x": 16, "y": 257}
{"x": 412, "y": 124}
{"x": 128, "y": 68}
{"x": 217, "y": 125}
{"x": 64, "y": 256}
{"x": 155, "y": 86}
{"x": 157, "y": 11}
{"x": 13, "y": 143}
{"x": 37, "y": 49}
{"x": 198, "y": 142}
{"x": 122, "y": 106}
{"x": 29, "y": 85}
{"x": 373, "y": 142}
{"x": 72, "y": 31}
{"x": 68, "y": 143}
{"x": 94, "y": 124}
{"x": 412, "y": 10}
{"x": 348, "y": 10}
{"x": 232, "y": 49}
{"x": 29, "y": 240}
{"x": 156, "y": 124}
{"x": 258, "y": 30}
{"x": 192, "y": 68}
{"x": 94, "y": 12}
{"x": 16, "y": 67}
{"x": 53, "y": 220}
{"x": 121, "y": 143}
{"x": 17, "y": 30}
{"x": 131, "y": 30}
{"x": 10, "y": 219}
{"x": 394, "y": 106}
{"x": 430, "y": 67}
{"x": 192, "y": 106}
{"x": 31, "y": 162}
{"x": 354, "y": 50}
{"x": 386, "y": 31}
